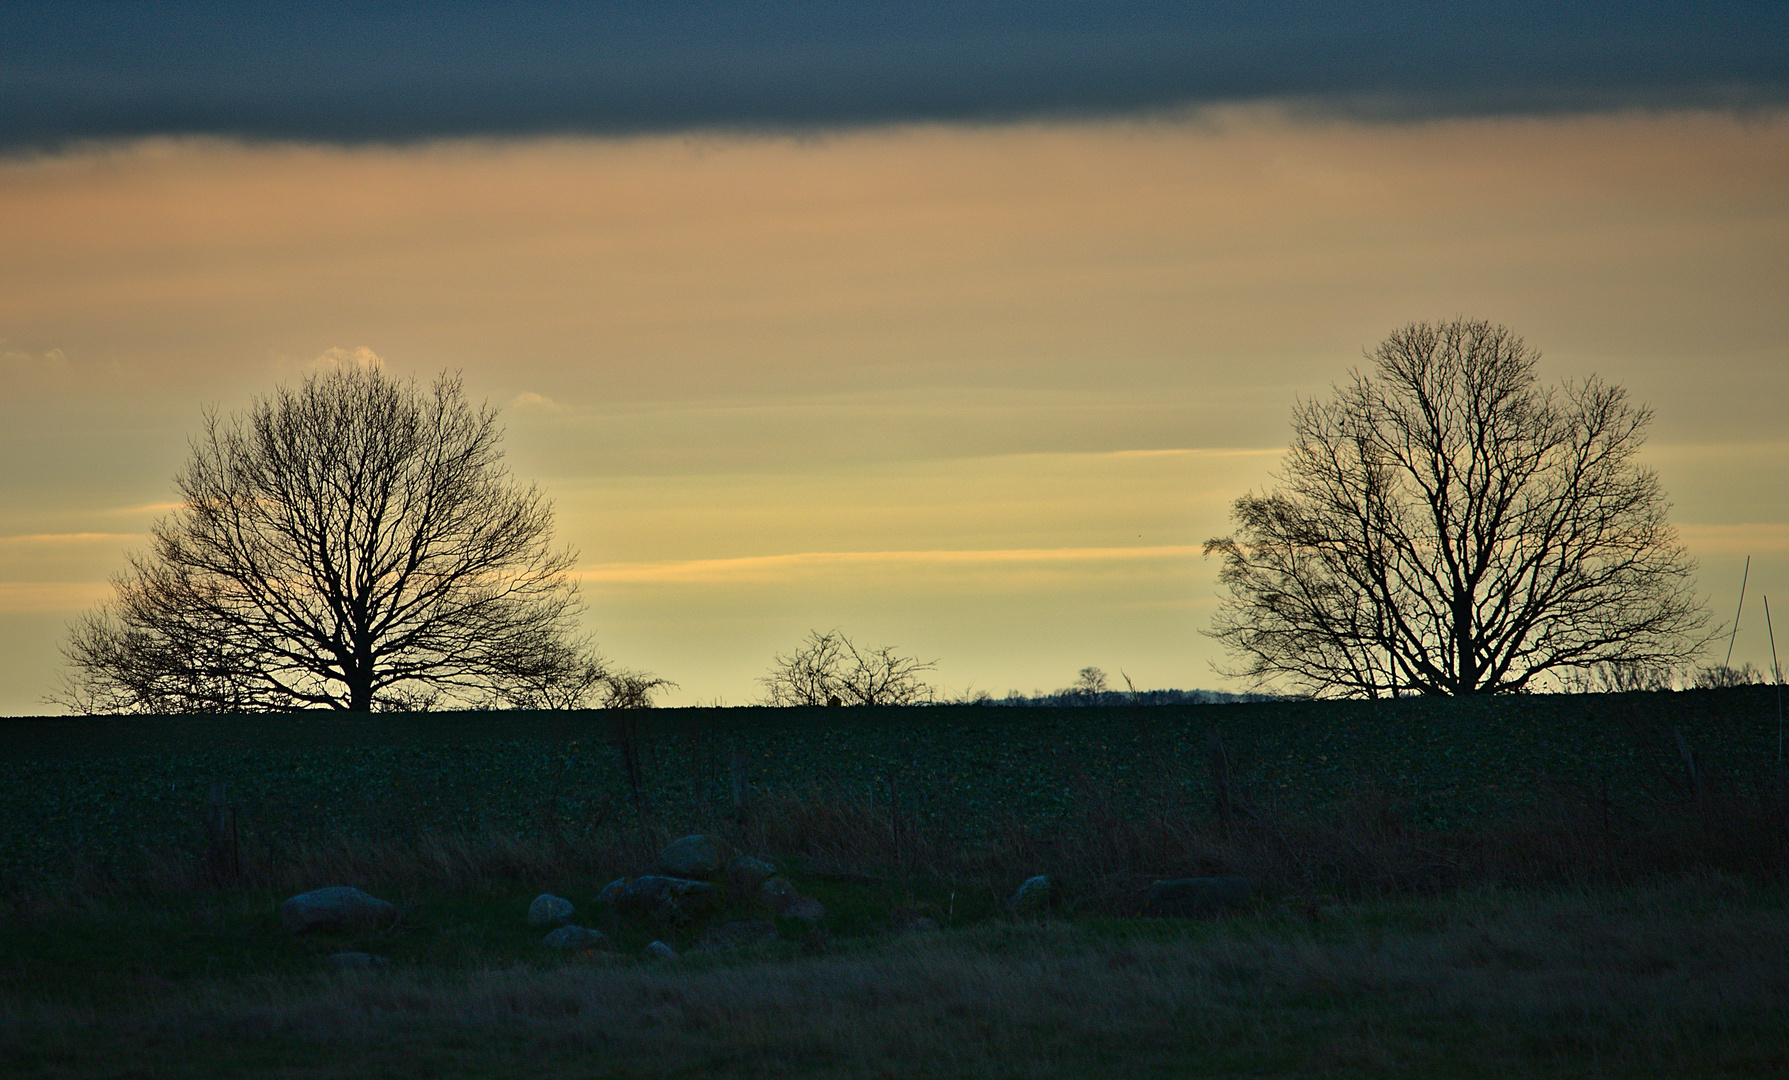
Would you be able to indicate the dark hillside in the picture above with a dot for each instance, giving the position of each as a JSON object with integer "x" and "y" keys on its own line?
{"x": 83, "y": 795}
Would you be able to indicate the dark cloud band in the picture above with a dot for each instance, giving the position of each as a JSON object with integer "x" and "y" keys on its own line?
{"x": 360, "y": 73}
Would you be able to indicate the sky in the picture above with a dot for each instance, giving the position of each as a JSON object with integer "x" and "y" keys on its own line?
{"x": 956, "y": 328}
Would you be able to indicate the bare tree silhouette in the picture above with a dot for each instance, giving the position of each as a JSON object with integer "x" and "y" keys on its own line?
{"x": 1447, "y": 527}
{"x": 830, "y": 666}
{"x": 352, "y": 543}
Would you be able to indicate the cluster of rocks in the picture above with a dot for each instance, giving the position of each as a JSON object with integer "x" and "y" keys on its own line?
{"x": 686, "y": 884}
{"x": 339, "y": 908}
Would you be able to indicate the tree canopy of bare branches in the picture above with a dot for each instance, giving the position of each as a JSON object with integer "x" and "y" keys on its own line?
{"x": 830, "y": 666}
{"x": 352, "y": 543}
{"x": 1447, "y": 526}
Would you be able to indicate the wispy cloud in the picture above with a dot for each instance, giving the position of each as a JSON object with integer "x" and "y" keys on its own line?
{"x": 43, "y": 596}
{"x": 762, "y": 568}
{"x": 1743, "y": 539}
{"x": 145, "y": 508}
{"x": 528, "y": 399}
{"x": 335, "y": 359}
{"x": 70, "y": 538}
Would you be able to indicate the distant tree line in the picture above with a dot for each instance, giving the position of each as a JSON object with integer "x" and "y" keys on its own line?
{"x": 1092, "y": 689}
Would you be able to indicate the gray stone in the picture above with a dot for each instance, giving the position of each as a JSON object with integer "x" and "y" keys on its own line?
{"x": 1032, "y": 898}
{"x": 805, "y": 908}
{"x": 1193, "y": 898}
{"x": 777, "y": 894}
{"x": 658, "y": 950}
{"x": 549, "y": 910}
{"x": 738, "y": 934}
{"x": 352, "y": 961}
{"x": 751, "y": 872}
{"x": 697, "y": 857}
{"x": 338, "y": 907}
{"x": 574, "y": 937}
{"x": 784, "y": 899}
{"x": 611, "y": 891}
{"x": 663, "y": 898}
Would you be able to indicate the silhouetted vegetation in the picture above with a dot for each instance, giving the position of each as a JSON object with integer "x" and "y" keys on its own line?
{"x": 1445, "y": 526}
{"x": 356, "y": 544}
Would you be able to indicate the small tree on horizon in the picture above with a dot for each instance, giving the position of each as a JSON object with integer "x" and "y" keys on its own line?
{"x": 1445, "y": 526}
{"x": 354, "y": 543}
{"x": 830, "y": 665}
{"x": 1090, "y": 685}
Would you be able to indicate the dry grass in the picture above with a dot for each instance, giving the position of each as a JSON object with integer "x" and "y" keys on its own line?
{"x": 1685, "y": 978}
{"x": 1583, "y": 940}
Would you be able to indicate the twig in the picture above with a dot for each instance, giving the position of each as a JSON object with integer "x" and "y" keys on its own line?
{"x": 1776, "y": 673}
{"x": 1742, "y": 606}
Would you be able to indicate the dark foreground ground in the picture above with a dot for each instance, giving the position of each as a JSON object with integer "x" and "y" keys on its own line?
{"x": 1571, "y": 886}
{"x": 1688, "y": 977}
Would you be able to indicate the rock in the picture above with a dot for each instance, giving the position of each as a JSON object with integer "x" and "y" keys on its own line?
{"x": 1192, "y": 898}
{"x": 751, "y": 872}
{"x": 611, "y": 891}
{"x": 658, "y": 950}
{"x": 1032, "y": 898}
{"x": 784, "y": 899}
{"x": 805, "y": 908}
{"x": 663, "y": 898}
{"x": 574, "y": 937}
{"x": 738, "y": 934}
{"x": 351, "y": 961}
{"x": 336, "y": 908}
{"x": 549, "y": 910}
{"x": 697, "y": 857}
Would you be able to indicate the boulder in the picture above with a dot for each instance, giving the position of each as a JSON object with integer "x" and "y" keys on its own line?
{"x": 355, "y": 961}
{"x": 611, "y": 891}
{"x": 663, "y": 898}
{"x": 784, "y": 899}
{"x": 574, "y": 937}
{"x": 336, "y": 908}
{"x": 751, "y": 872}
{"x": 549, "y": 910}
{"x": 738, "y": 934}
{"x": 1194, "y": 898}
{"x": 696, "y": 857}
{"x": 805, "y": 908}
{"x": 1032, "y": 898}
{"x": 658, "y": 950}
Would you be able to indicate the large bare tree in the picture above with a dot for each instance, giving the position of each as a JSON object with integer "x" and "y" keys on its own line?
{"x": 1447, "y": 526}
{"x": 352, "y": 543}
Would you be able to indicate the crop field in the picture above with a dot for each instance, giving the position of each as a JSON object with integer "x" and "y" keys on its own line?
{"x": 1546, "y": 885}
{"x": 83, "y": 795}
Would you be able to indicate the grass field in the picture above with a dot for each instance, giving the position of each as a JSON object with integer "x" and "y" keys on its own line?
{"x": 1572, "y": 886}
{"x": 1684, "y": 978}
